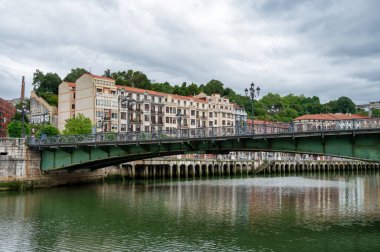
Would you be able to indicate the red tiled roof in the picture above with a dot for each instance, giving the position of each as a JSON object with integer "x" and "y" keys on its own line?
{"x": 199, "y": 100}
{"x": 181, "y": 97}
{"x": 98, "y": 76}
{"x": 330, "y": 116}
{"x": 139, "y": 90}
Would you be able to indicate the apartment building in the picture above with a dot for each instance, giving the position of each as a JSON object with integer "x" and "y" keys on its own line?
{"x": 7, "y": 111}
{"x": 124, "y": 109}
{"x": 41, "y": 111}
{"x": 66, "y": 103}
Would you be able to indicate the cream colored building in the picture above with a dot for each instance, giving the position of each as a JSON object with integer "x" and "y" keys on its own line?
{"x": 66, "y": 103}
{"x": 100, "y": 99}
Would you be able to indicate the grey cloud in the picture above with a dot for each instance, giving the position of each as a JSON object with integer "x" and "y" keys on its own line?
{"x": 301, "y": 47}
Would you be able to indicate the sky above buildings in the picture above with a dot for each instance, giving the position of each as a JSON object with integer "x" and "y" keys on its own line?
{"x": 311, "y": 47}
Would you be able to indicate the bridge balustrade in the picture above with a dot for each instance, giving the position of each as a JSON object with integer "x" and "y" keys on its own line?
{"x": 204, "y": 133}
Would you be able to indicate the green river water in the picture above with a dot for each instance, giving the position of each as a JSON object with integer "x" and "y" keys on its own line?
{"x": 314, "y": 212}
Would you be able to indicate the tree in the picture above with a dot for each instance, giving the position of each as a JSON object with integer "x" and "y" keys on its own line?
{"x": 14, "y": 129}
{"x": 214, "y": 87}
{"x": 162, "y": 87}
{"x": 376, "y": 113}
{"x": 78, "y": 125}
{"x": 46, "y": 83}
{"x": 345, "y": 105}
{"x": 48, "y": 130}
{"x": 129, "y": 78}
{"x": 75, "y": 74}
{"x": 193, "y": 89}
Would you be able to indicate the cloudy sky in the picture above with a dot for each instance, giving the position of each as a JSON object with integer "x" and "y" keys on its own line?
{"x": 311, "y": 47}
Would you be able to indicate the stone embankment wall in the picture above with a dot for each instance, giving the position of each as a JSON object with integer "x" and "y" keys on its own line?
{"x": 20, "y": 167}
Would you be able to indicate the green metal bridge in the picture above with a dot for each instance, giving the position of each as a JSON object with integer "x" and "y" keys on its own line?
{"x": 101, "y": 150}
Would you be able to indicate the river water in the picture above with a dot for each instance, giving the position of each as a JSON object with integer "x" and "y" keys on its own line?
{"x": 315, "y": 212}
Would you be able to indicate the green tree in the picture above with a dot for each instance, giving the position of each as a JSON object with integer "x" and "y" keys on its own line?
{"x": 75, "y": 74}
{"x": 345, "y": 105}
{"x": 130, "y": 78}
{"x": 78, "y": 125}
{"x": 48, "y": 130}
{"x": 14, "y": 129}
{"x": 214, "y": 87}
{"x": 193, "y": 89}
{"x": 46, "y": 83}
{"x": 376, "y": 113}
{"x": 162, "y": 87}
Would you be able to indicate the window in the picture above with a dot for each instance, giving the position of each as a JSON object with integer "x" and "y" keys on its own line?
{"x": 146, "y": 107}
{"x": 99, "y": 90}
{"x": 138, "y": 97}
{"x": 192, "y": 121}
{"x": 167, "y": 119}
{"x": 146, "y": 118}
{"x": 99, "y": 113}
{"x": 210, "y": 123}
{"x": 173, "y": 110}
{"x": 223, "y": 122}
{"x": 210, "y": 114}
{"x": 114, "y": 115}
{"x": 72, "y": 106}
{"x": 123, "y": 115}
{"x": 193, "y": 112}
{"x": 123, "y": 127}
{"x": 167, "y": 109}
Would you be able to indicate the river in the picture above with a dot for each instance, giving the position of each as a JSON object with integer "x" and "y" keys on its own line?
{"x": 314, "y": 212}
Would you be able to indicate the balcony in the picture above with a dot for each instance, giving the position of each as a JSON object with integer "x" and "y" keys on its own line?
{"x": 153, "y": 112}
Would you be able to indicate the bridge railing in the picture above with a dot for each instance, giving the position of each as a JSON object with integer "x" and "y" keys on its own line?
{"x": 203, "y": 133}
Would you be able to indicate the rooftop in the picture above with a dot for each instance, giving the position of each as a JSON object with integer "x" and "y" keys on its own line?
{"x": 330, "y": 116}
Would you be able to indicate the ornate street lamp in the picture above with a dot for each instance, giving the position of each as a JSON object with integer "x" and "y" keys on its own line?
{"x": 179, "y": 120}
{"x": 126, "y": 102}
{"x": 252, "y": 93}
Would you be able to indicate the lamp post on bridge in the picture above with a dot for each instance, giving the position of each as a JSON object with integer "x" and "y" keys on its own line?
{"x": 252, "y": 93}
{"x": 179, "y": 120}
{"x": 125, "y": 102}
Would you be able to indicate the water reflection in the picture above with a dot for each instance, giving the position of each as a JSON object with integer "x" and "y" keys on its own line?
{"x": 274, "y": 213}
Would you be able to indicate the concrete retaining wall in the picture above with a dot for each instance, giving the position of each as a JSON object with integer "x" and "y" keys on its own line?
{"x": 20, "y": 167}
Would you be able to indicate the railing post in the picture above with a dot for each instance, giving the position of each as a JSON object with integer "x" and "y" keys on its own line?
{"x": 265, "y": 128}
